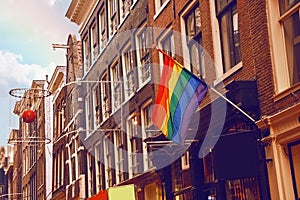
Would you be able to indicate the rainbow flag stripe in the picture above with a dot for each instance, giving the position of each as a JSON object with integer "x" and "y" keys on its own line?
{"x": 180, "y": 93}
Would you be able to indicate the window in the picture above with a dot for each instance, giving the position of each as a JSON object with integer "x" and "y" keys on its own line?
{"x": 194, "y": 40}
{"x": 116, "y": 74}
{"x": 86, "y": 54}
{"x": 124, "y": 8}
{"x": 132, "y": 126}
{"x": 88, "y": 115}
{"x": 130, "y": 71}
{"x": 109, "y": 160}
{"x": 247, "y": 188}
{"x": 54, "y": 171}
{"x": 94, "y": 42}
{"x": 102, "y": 28}
{"x": 185, "y": 160}
{"x": 209, "y": 174}
{"x": 146, "y": 113}
{"x": 120, "y": 141}
{"x": 58, "y": 169}
{"x": 134, "y": 155}
{"x": 113, "y": 17}
{"x": 167, "y": 44}
{"x": 100, "y": 168}
{"x": 291, "y": 31}
{"x": 294, "y": 152}
{"x": 105, "y": 85}
{"x": 73, "y": 160}
{"x": 132, "y": 132}
{"x": 62, "y": 167}
{"x": 96, "y": 106}
{"x": 143, "y": 56}
{"x": 227, "y": 15}
{"x": 159, "y": 6}
{"x": 90, "y": 174}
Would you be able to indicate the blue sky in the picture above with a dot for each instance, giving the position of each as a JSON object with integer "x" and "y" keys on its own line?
{"x": 27, "y": 30}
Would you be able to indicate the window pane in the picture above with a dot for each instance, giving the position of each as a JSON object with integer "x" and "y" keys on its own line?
{"x": 168, "y": 44}
{"x": 193, "y": 22}
{"x": 221, "y": 4}
{"x": 292, "y": 43}
{"x": 286, "y": 5}
{"x": 246, "y": 188}
{"x": 230, "y": 37}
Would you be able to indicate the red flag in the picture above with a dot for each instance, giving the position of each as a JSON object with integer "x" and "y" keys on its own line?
{"x": 102, "y": 195}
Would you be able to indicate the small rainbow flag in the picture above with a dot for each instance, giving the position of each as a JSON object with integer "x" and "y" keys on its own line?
{"x": 180, "y": 93}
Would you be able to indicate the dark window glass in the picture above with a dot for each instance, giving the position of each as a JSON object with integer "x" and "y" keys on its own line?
{"x": 229, "y": 31}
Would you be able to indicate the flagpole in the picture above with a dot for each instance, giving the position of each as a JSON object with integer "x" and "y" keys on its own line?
{"x": 164, "y": 53}
{"x": 214, "y": 90}
{"x": 233, "y": 104}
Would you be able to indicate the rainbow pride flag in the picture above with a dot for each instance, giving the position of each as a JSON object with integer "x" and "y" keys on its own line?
{"x": 179, "y": 94}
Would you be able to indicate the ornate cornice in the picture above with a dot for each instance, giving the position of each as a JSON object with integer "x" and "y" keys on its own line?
{"x": 284, "y": 126}
{"x": 79, "y": 9}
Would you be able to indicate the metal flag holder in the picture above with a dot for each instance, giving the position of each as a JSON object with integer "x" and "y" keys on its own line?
{"x": 29, "y": 99}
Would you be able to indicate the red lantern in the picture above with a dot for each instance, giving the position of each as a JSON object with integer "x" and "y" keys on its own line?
{"x": 28, "y": 116}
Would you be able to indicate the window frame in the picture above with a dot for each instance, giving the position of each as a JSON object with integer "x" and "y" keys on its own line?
{"x": 100, "y": 167}
{"x": 144, "y": 109}
{"x": 283, "y": 86}
{"x": 102, "y": 17}
{"x": 159, "y": 7}
{"x": 133, "y": 149}
{"x": 86, "y": 54}
{"x": 105, "y": 86}
{"x": 109, "y": 160}
{"x": 129, "y": 68}
{"x": 193, "y": 42}
{"x": 116, "y": 85}
{"x": 94, "y": 41}
{"x": 168, "y": 34}
{"x": 90, "y": 174}
{"x": 232, "y": 61}
{"x": 143, "y": 55}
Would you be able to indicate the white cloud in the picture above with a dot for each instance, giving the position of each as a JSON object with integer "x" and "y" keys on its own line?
{"x": 15, "y": 74}
{"x": 51, "y": 2}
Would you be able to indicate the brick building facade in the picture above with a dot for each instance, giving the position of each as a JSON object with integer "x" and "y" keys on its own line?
{"x": 103, "y": 133}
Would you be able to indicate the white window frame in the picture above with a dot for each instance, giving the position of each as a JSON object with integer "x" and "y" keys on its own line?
{"x": 102, "y": 29}
{"x": 112, "y": 18}
{"x": 117, "y": 81}
{"x": 86, "y": 54}
{"x": 147, "y": 160}
{"x": 185, "y": 160}
{"x": 185, "y": 49}
{"x": 160, "y": 7}
{"x": 105, "y": 103}
{"x": 132, "y": 133}
{"x": 163, "y": 37}
{"x": 62, "y": 167}
{"x": 220, "y": 75}
{"x": 119, "y": 154}
{"x": 95, "y": 112}
{"x": 129, "y": 92}
{"x": 108, "y": 168}
{"x": 278, "y": 49}
{"x": 124, "y": 4}
{"x": 94, "y": 42}
{"x": 143, "y": 66}
{"x": 97, "y": 168}
{"x": 89, "y": 181}
{"x": 87, "y": 115}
